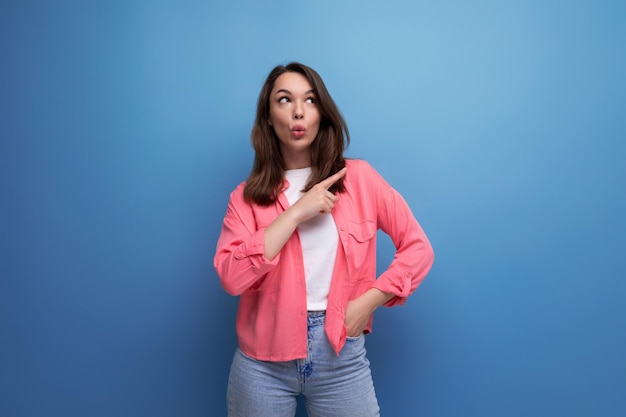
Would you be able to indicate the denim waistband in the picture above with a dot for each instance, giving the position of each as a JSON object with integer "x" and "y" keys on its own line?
{"x": 315, "y": 318}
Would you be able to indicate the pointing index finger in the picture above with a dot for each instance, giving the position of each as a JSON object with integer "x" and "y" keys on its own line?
{"x": 328, "y": 182}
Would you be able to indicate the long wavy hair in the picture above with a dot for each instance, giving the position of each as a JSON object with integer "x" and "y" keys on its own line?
{"x": 266, "y": 177}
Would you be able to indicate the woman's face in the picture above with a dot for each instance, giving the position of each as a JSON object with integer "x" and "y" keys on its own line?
{"x": 295, "y": 118}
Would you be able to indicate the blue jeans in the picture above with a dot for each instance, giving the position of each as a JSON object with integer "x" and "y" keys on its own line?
{"x": 331, "y": 385}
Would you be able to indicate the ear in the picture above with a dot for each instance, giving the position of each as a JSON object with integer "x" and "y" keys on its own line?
{"x": 269, "y": 122}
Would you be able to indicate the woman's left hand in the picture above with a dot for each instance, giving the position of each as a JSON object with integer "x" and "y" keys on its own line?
{"x": 360, "y": 309}
{"x": 357, "y": 315}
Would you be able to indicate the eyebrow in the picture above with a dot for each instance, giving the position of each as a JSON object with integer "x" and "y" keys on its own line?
{"x": 283, "y": 91}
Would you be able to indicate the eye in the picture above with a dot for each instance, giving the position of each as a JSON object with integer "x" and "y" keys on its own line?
{"x": 283, "y": 100}
{"x": 311, "y": 100}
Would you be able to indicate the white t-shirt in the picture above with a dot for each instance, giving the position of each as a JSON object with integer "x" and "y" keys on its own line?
{"x": 319, "y": 239}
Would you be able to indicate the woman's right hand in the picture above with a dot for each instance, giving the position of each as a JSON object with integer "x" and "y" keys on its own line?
{"x": 318, "y": 199}
{"x": 315, "y": 201}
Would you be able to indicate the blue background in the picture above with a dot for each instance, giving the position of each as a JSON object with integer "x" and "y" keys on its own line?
{"x": 125, "y": 125}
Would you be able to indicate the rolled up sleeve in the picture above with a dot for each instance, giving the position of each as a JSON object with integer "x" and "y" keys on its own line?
{"x": 239, "y": 258}
{"x": 414, "y": 254}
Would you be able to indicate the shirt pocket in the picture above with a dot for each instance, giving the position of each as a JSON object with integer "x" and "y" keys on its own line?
{"x": 362, "y": 245}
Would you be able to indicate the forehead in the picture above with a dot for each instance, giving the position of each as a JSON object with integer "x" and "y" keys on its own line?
{"x": 293, "y": 82}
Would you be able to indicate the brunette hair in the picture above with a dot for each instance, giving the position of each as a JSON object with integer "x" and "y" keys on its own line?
{"x": 266, "y": 177}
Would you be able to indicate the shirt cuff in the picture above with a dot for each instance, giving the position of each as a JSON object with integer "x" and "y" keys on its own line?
{"x": 254, "y": 250}
{"x": 399, "y": 287}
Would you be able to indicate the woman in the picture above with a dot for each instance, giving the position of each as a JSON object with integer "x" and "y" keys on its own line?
{"x": 298, "y": 246}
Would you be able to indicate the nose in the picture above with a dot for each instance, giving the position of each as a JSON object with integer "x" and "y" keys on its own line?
{"x": 298, "y": 110}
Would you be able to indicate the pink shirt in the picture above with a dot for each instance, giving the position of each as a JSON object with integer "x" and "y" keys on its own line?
{"x": 272, "y": 314}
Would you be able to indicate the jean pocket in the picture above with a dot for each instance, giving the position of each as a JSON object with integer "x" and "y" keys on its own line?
{"x": 354, "y": 339}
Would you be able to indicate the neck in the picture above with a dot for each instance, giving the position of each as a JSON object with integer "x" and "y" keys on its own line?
{"x": 297, "y": 161}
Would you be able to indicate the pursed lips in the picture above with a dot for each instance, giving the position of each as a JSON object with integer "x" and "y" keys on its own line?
{"x": 298, "y": 131}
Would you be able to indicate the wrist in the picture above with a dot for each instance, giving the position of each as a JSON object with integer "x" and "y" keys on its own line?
{"x": 292, "y": 216}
